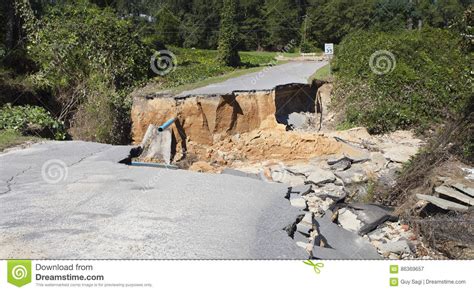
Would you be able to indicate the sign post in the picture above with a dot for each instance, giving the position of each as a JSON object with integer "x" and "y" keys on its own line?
{"x": 329, "y": 52}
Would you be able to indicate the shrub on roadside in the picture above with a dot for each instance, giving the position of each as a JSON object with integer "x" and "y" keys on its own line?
{"x": 31, "y": 120}
{"x": 400, "y": 80}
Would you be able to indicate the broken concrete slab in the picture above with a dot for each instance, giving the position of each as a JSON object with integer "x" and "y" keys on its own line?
{"x": 301, "y": 189}
{"x": 453, "y": 193}
{"x": 357, "y": 155}
{"x": 442, "y": 203}
{"x": 464, "y": 189}
{"x": 297, "y": 191}
{"x": 371, "y": 215}
{"x": 299, "y": 203}
{"x": 348, "y": 220}
{"x": 341, "y": 165}
{"x": 301, "y": 169}
{"x": 347, "y": 245}
{"x": 298, "y": 236}
{"x": 330, "y": 190}
{"x": 397, "y": 247}
{"x": 320, "y": 176}
{"x": 304, "y": 228}
{"x": 400, "y": 153}
{"x": 353, "y": 175}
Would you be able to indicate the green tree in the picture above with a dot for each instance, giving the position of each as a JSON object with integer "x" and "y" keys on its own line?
{"x": 282, "y": 23}
{"x": 167, "y": 27}
{"x": 89, "y": 59}
{"x": 228, "y": 35}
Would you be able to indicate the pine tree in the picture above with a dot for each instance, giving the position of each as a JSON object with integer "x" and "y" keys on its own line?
{"x": 228, "y": 34}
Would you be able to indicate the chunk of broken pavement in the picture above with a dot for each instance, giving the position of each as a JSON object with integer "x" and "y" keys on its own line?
{"x": 442, "y": 203}
{"x": 400, "y": 153}
{"x": 397, "y": 247}
{"x": 464, "y": 189}
{"x": 342, "y": 244}
{"x": 298, "y": 203}
{"x": 371, "y": 215}
{"x": 353, "y": 175}
{"x": 348, "y": 220}
{"x": 452, "y": 193}
{"x": 320, "y": 176}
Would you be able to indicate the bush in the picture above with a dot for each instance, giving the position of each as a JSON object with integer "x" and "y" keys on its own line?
{"x": 83, "y": 50}
{"x": 31, "y": 120}
{"x": 425, "y": 79}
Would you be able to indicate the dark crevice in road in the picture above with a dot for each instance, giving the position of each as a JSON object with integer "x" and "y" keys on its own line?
{"x": 10, "y": 180}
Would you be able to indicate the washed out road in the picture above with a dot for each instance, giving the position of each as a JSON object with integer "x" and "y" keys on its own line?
{"x": 63, "y": 200}
{"x": 265, "y": 79}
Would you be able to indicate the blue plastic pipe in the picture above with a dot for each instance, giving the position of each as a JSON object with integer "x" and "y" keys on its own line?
{"x": 166, "y": 125}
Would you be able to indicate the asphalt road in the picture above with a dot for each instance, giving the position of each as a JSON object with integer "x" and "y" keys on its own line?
{"x": 73, "y": 200}
{"x": 265, "y": 79}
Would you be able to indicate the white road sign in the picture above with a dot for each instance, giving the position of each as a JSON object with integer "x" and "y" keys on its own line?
{"x": 328, "y": 49}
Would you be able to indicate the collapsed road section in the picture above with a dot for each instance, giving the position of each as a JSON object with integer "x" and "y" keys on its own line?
{"x": 63, "y": 200}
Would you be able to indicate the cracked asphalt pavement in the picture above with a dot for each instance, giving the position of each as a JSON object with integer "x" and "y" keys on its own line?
{"x": 63, "y": 200}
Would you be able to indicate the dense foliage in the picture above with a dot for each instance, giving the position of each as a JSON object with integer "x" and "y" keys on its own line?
{"x": 228, "y": 35}
{"x": 425, "y": 80}
{"x": 89, "y": 59}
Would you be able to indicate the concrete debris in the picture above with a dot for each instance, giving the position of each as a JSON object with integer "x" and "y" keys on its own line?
{"x": 304, "y": 228}
{"x": 397, "y": 247}
{"x": 442, "y": 203}
{"x": 357, "y": 155}
{"x": 400, "y": 153}
{"x": 371, "y": 215}
{"x": 320, "y": 176}
{"x": 348, "y": 220}
{"x": 341, "y": 165}
{"x": 301, "y": 169}
{"x": 300, "y": 237}
{"x": 342, "y": 243}
{"x": 352, "y": 176}
{"x": 308, "y": 218}
{"x": 299, "y": 203}
{"x": 454, "y": 194}
{"x": 318, "y": 205}
{"x": 330, "y": 190}
{"x": 464, "y": 189}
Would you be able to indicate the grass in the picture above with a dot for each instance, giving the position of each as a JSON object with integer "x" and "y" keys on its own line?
{"x": 11, "y": 138}
{"x": 196, "y": 68}
{"x": 324, "y": 73}
{"x": 216, "y": 79}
